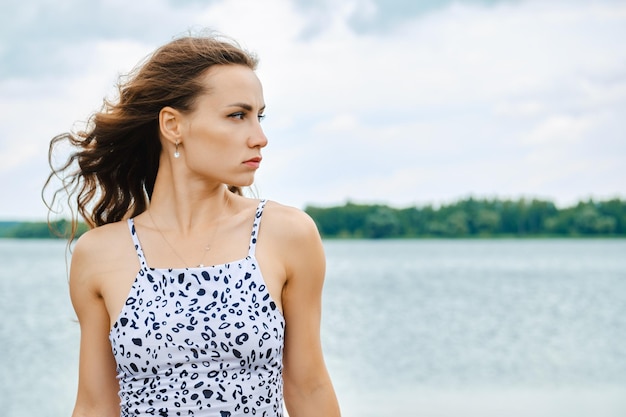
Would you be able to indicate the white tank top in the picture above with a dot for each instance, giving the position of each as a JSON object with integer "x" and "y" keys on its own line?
{"x": 205, "y": 341}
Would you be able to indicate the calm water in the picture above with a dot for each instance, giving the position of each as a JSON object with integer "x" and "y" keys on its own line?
{"x": 440, "y": 328}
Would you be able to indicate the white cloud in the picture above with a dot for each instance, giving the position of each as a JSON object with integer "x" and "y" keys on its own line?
{"x": 339, "y": 123}
{"x": 561, "y": 130}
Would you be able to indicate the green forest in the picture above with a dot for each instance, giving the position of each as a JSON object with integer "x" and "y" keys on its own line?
{"x": 39, "y": 230}
{"x": 466, "y": 218}
{"x": 473, "y": 218}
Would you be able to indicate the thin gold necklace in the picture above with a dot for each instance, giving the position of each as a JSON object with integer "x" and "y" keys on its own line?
{"x": 207, "y": 247}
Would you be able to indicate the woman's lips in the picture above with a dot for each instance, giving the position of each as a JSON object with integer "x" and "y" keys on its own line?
{"x": 253, "y": 162}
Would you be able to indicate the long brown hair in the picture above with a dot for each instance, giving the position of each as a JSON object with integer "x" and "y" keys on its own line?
{"x": 111, "y": 174}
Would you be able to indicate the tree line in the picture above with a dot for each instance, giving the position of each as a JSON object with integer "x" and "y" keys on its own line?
{"x": 465, "y": 218}
{"x": 473, "y": 218}
{"x": 39, "y": 230}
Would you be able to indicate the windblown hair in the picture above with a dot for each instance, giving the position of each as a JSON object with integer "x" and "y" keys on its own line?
{"x": 111, "y": 173}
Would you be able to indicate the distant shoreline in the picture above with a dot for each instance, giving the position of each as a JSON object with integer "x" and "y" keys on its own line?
{"x": 465, "y": 219}
{"x": 474, "y": 218}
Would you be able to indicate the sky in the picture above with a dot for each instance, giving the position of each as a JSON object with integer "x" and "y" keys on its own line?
{"x": 395, "y": 102}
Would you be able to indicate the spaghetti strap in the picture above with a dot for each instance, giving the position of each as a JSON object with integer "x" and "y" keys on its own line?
{"x": 255, "y": 228}
{"x": 133, "y": 235}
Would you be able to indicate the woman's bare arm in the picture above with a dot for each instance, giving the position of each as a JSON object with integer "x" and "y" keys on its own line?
{"x": 307, "y": 385}
{"x": 97, "y": 385}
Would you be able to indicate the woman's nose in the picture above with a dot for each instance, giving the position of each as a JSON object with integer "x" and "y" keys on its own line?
{"x": 258, "y": 138}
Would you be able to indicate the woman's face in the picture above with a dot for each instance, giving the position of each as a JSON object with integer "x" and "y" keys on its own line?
{"x": 222, "y": 136}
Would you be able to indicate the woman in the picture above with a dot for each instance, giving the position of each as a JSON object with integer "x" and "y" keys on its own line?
{"x": 225, "y": 309}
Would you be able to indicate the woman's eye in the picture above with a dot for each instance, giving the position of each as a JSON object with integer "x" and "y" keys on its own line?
{"x": 242, "y": 115}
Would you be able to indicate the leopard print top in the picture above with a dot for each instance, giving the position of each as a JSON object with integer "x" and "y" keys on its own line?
{"x": 205, "y": 341}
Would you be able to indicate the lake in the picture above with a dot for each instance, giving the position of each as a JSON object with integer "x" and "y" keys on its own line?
{"x": 442, "y": 328}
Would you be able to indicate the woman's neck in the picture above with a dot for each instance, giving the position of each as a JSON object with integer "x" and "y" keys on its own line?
{"x": 187, "y": 205}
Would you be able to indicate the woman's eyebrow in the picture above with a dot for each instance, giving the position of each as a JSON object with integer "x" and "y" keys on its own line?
{"x": 244, "y": 106}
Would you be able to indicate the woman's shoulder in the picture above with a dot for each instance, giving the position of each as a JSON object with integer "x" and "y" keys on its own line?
{"x": 289, "y": 222}
{"x": 104, "y": 243}
{"x": 103, "y": 235}
{"x": 295, "y": 241}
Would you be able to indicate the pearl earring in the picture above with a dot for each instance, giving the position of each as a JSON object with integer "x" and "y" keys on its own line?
{"x": 176, "y": 153}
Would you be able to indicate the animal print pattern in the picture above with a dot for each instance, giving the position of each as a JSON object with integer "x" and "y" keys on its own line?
{"x": 204, "y": 341}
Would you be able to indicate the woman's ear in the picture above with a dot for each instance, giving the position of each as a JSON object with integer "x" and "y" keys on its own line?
{"x": 170, "y": 124}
